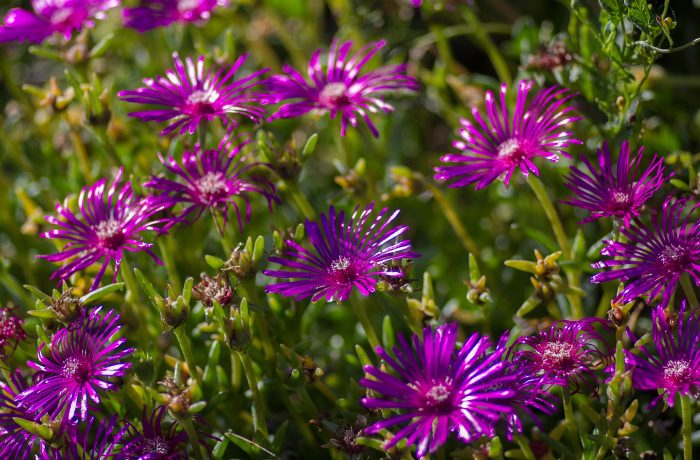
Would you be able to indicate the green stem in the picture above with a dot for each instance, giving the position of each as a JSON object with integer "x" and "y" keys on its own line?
{"x": 133, "y": 298}
{"x": 524, "y": 447}
{"x": 689, "y": 290}
{"x": 258, "y": 403}
{"x": 301, "y": 202}
{"x": 166, "y": 252}
{"x": 687, "y": 413}
{"x": 250, "y": 291}
{"x": 184, "y": 342}
{"x": 484, "y": 40}
{"x": 186, "y": 423}
{"x": 571, "y": 427}
{"x": 235, "y": 372}
{"x": 453, "y": 219}
{"x": 359, "y": 308}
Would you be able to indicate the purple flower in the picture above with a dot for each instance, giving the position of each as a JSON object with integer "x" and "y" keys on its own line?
{"x": 615, "y": 191}
{"x": 654, "y": 258}
{"x": 50, "y": 17}
{"x": 345, "y": 255}
{"x": 675, "y": 368}
{"x": 152, "y": 442}
{"x": 11, "y": 332}
{"x": 15, "y": 441}
{"x": 189, "y": 96}
{"x": 211, "y": 179}
{"x": 439, "y": 389}
{"x": 496, "y": 147}
{"x": 96, "y": 441}
{"x": 567, "y": 353}
{"x": 160, "y": 13}
{"x": 339, "y": 88}
{"x": 83, "y": 359}
{"x": 111, "y": 222}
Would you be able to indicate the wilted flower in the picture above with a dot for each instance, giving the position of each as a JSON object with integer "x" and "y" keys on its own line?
{"x": 345, "y": 255}
{"x": 11, "y": 331}
{"x": 111, "y": 222}
{"x": 654, "y": 258}
{"x": 675, "y": 368}
{"x": 15, "y": 441}
{"x": 339, "y": 89}
{"x": 213, "y": 180}
{"x": 83, "y": 358}
{"x": 160, "y": 13}
{"x": 567, "y": 353}
{"x": 617, "y": 190}
{"x": 188, "y": 96}
{"x": 52, "y": 16}
{"x": 496, "y": 147}
{"x": 439, "y": 389}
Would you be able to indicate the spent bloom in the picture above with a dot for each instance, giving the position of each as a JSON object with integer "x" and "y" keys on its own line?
{"x": 11, "y": 331}
{"x": 345, "y": 254}
{"x": 567, "y": 353}
{"x": 189, "y": 96}
{"x": 653, "y": 258}
{"x": 50, "y": 17}
{"x": 15, "y": 441}
{"x": 213, "y": 180}
{"x": 83, "y": 359}
{"x": 339, "y": 87}
{"x": 110, "y": 223}
{"x": 160, "y": 13}
{"x": 675, "y": 367}
{"x": 617, "y": 189}
{"x": 439, "y": 388}
{"x": 495, "y": 147}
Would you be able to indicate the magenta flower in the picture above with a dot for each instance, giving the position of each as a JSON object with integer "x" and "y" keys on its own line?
{"x": 189, "y": 97}
{"x": 617, "y": 190}
{"x": 95, "y": 441}
{"x": 654, "y": 258}
{"x": 111, "y": 222}
{"x": 439, "y": 389}
{"x": 675, "y": 367}
{"x": 83, "y": 359}
{"x": 50, "y": 17}
{"x": 11, "y": 332}
{"x": 496, "y": 147}
{"x": 345, "y": 255}
{"x": 160, "y": 13}
{"x": 340, "y": 89}
{"x": 211, "y": 179}
{"x": 15, "y": 441}
{"x": 567, "y": 353}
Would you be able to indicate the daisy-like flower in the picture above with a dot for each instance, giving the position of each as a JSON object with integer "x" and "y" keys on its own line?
{"x": 50, "y": 17}
{"x": 110, "y": 223}
{"x": 617, "y": 190}
{"x": 439, "y": 389}
{"x": 340, "y": 88}
{"x": 675, "y": 367}
{"x": 567, "y": 353}
{"x": 11, "y": 332}
{"x": 188, "y": 96}
{"x": 95, "y": 441}
{"x": 160, "y": 13}
{"x": 345, "y": 255}
{"x": 83, "y": 359}
{"x": 211, "y": 179}
{"x": 495, "y": 147}
{"x": 15, "y": 441}
{"x": 153, "y": 442}
{"x": 654, "y": 258}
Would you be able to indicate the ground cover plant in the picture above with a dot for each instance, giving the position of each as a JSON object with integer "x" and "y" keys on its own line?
{"x": 349, "y": 229}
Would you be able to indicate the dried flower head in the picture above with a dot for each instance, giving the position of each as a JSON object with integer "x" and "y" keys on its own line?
{"x": 11, "y": 332}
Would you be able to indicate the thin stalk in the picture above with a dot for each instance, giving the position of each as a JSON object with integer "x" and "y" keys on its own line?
{"x": 259, "y": 422}
{"x": 166, "y": 252}
{"x": 359, "y": 308}
{"x": 235, "y": 372}
{"x": 81, "y": 154}
{"x": 524, "y": 447}
{"x": 484, "y": 40}
{"x": 250, "y": 291}
{"x": 687, "y": 414}
{"x": 184, "y": 342}
{"x": 186, "y": 423}
{"x": 453, "y": 219}
{"x": 571, "y": 427}
{"x": 689, "y": 290}
{"x": 133, "y": 297}
{"x": 301, "y": 202}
